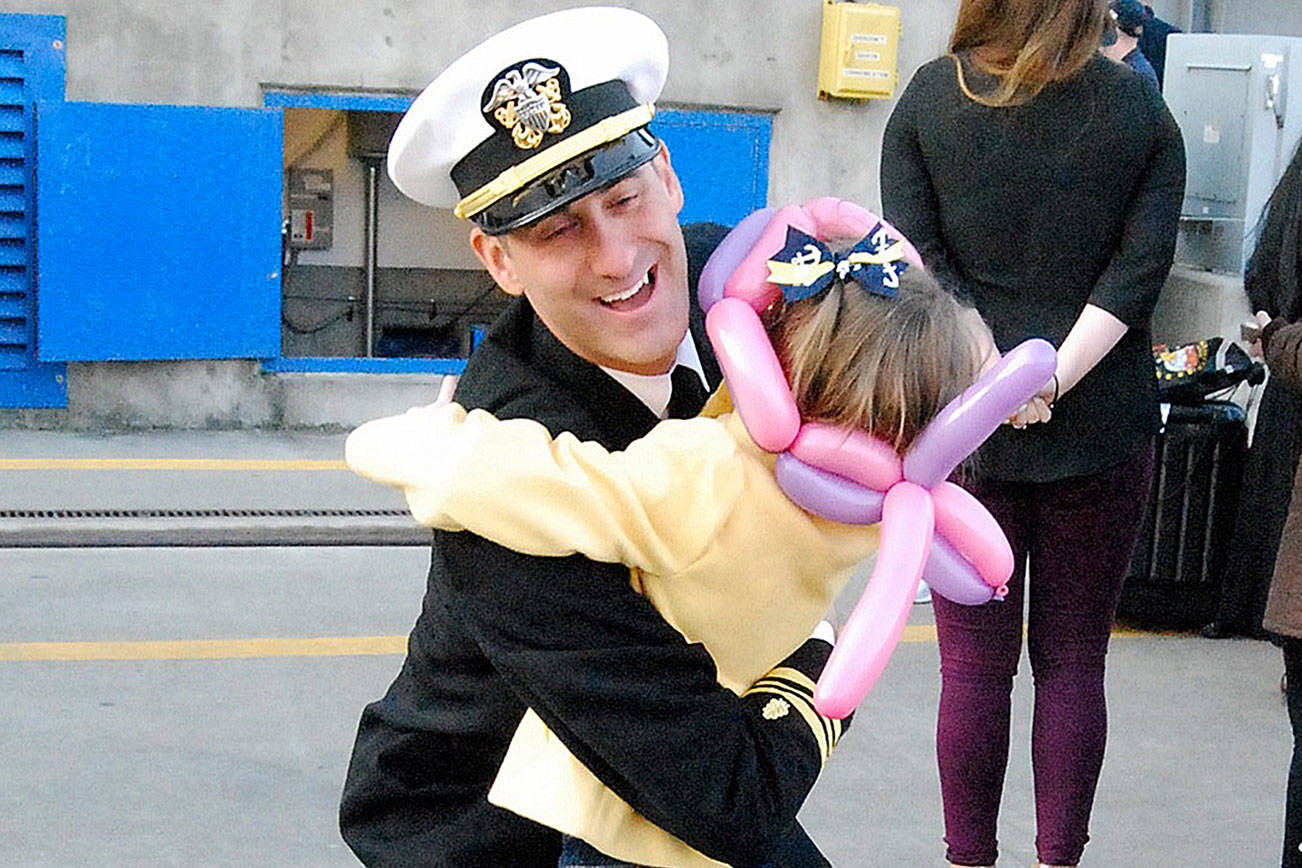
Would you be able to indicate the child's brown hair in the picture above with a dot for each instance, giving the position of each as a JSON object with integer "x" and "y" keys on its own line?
{"x": 885, "y": 365}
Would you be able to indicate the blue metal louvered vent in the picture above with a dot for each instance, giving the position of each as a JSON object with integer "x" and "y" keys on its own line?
{"x": 31, "y": 68}
{"x": 15, "y": 217}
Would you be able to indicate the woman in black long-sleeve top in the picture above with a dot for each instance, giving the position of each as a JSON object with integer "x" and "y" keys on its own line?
{"x": 1043, "y": 182}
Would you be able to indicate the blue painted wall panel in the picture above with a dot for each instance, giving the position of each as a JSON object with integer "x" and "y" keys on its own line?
{"x": 357, "y": 365}
{"x": 31, "y": 68}
{"x": 722, "y": 160}
{"x": 337, "y": 102}
{"x": 158, "y": 232}
{"x": 38, "y": 386}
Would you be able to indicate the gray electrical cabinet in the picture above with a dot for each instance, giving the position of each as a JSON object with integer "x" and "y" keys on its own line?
{"x": 1238, "y": 101}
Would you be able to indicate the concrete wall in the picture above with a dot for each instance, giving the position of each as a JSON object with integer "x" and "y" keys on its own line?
{"x": 1277, "y": 17}
{"x": 221, "y": 395}
{"x": 224, "y": 52}
{"x": 229, "y": 53}
{"x": 723, "y": 53}
{"x": 1257, "y": 16}
{"x": 735, "y": 53}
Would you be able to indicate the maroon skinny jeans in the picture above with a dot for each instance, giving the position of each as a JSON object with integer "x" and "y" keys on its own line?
{"x": 1079, "y": 534}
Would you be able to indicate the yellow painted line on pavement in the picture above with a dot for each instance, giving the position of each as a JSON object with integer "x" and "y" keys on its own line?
{"x": 927, "y": 633}
{"x": 206, "y": 464}
{"x": 331, "y": 646}
{"x": 919, "y": 633}
{"x": 202, "y": 649}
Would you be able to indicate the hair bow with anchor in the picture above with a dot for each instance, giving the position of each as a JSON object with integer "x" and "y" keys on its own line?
{"x": 807, "y": 266}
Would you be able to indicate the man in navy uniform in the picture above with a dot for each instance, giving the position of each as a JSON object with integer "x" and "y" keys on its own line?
{"x": 538, "y": 136}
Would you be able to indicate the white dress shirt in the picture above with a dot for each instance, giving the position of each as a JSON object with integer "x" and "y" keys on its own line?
{"x": 654, "y": 390}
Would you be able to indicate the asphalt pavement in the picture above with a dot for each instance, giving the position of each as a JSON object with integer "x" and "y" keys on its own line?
{"x": 189, "y": 698}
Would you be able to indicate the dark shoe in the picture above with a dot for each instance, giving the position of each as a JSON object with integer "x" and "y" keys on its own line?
{"x": 1226, "y": 630}
{"x": 1217, "y": 630}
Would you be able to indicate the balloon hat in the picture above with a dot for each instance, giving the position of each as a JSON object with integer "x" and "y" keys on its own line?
{"x": 932, "y": 529}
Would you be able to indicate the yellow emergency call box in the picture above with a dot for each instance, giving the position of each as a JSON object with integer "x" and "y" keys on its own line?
{"x": 857, "y": 59}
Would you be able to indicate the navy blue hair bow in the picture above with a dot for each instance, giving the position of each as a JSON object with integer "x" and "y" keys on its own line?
{"x": 806, "y": 266}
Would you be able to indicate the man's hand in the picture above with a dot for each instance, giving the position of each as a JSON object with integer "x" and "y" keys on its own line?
{"x": 1255, "y": 349}
{"x": 825, "y": 631}
{"x": 446, "y": 390}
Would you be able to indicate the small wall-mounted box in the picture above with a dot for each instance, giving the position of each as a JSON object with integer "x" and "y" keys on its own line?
{"x": 857, "y": 59}
{"x": 311, "y": 208}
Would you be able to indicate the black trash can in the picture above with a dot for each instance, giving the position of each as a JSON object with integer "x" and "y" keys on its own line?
{"x": 1174, "y": 579}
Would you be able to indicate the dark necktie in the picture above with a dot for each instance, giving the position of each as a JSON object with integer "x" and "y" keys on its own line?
{"x": 687, "y": 395}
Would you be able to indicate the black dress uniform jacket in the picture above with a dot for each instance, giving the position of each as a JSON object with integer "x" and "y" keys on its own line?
{"x": 628, "y": 695}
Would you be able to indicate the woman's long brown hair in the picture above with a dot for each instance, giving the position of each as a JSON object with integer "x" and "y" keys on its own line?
{"x": 1026, "y": 44}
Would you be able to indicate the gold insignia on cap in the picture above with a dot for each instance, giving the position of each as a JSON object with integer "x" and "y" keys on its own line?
{"x": 515, "y": 177}
{"x": 527, "y": 101}
{"x": 775, "y": 709}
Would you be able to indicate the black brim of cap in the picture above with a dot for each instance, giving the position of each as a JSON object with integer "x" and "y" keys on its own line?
{"x": 568, "y": 182}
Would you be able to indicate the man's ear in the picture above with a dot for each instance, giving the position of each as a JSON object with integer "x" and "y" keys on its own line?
{"x": 492, "y": 252}
{"x": 665, "y": 171}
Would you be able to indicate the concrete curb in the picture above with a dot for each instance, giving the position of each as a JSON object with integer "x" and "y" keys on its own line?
{"x": 211, "y": 532}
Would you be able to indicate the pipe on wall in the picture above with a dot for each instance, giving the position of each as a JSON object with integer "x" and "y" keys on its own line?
{"x": 372, "y": 248}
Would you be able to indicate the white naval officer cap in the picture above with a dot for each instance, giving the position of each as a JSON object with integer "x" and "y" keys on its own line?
{"x": 535, "y": 117}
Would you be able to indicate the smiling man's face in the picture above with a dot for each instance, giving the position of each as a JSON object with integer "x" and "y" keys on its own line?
{"x": 607, "y": 275}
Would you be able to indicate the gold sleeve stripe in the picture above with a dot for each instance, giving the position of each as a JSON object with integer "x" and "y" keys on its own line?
{"x": 801, "y": 682}
{"x": 825, "y": 729}
{"x": 831, "y": 727}
{"x": 806, "y": 710}
{"x": 796, "y": 679}
{"x": 795, "y": 676}
{"x": 517, "y": 176}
